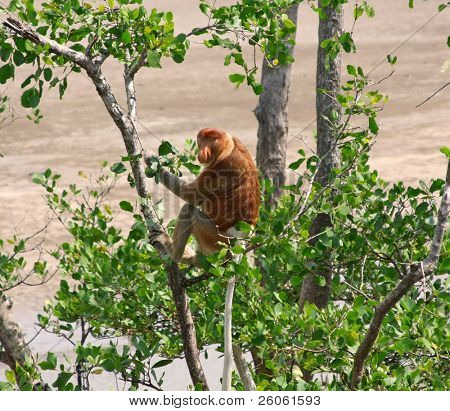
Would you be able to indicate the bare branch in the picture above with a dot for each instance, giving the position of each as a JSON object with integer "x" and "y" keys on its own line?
{"x": 422, "y": 270}
{"x": 436, "y": 92}
{"x": 228, "y": 353}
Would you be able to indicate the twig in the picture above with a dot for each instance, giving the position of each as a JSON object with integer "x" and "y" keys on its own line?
{"x": 356, "y": 290}
{"x": 436, "y": 92}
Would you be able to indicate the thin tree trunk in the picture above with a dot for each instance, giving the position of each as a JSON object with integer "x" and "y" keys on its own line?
{"x": 272, "y": 115}
{"x": 127, "y": 126}
{"x": 327, "y": 79}
{"x": 187, "y": 327}
{"x": 273, "y": 127}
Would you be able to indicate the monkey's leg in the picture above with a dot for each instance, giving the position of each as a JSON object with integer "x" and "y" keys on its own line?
{"x": 206, "y": 233}
{"x": 183, "y": 229}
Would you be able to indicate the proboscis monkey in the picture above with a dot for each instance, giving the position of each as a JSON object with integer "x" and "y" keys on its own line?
{"x": 226, "y": 191}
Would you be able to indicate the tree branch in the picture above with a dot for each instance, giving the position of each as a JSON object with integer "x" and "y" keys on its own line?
{"x": 243, "y": 370}
{"x": 424, "y": 269}
{"x": 227, "y": 327}
{"x": 137, "y": 65}
{"x": 436, "y": 92}
{"x": 189, "y": 282}
{"x": 28, "y": 33}
{"x": 12, "y": 339}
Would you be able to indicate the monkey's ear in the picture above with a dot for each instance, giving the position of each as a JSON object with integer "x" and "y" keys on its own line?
{"x": 204, "y": 155}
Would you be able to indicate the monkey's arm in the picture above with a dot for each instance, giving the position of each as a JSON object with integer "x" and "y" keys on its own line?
{"x": 186, "y": 191}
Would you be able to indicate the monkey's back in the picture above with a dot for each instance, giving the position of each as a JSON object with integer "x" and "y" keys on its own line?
{"x": 231, "y": 190}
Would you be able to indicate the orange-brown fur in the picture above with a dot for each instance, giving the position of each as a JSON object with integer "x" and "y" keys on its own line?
{"x": 229, "y": 187}
{"x": 227, "y": 191}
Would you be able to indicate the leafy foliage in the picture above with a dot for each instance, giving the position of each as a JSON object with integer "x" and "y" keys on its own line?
{"x": 114, "y": 284}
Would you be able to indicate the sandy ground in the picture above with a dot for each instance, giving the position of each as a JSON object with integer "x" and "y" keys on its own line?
{"x": 174, "y": 103}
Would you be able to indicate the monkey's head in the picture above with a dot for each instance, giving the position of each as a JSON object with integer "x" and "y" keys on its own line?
{"x": 214, "y": 145}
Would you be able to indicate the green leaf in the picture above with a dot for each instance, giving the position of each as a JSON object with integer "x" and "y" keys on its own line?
{"x": 444, "y": 265}
{"x": 437, "y": 184}
{"x": 126, "y": 206}
{"x": 18, "y": 58}
{"x": 243, "y": 227}
{"x": 296, "y": 164}
{"x": 126, "y": 37}
{"x": 310, "y": 252}
{"x": 154, "y": 59}
{"x": 391, "y": 60}
{"x": 6, "y": 72}
{"x": 48, "y": 74}
{"x": 257, "y": 88}
{"x": 10, "y": 376}
{"x": 320, "y": 280}
{"x": 30, "y": 98}
{"x": 165, "y": 148}
{"x": 38, "y": 178}
{"x": 289, "y": 25}
{"x": 347, "y": 42}
{"x": 445, "y": 151}
{"x": 6, "y": 51}
{"x": 62, "y": 380}
{"x": 50, "y": 363}
{"x": 237, "y": 78}
{"x": 118, "y": 168}
{"x": 404, "y": 345}
{"x": 373, "y": 126}
{"x": 352, "y": 70}
{"x": 296, "y": 280}
{"x": 162, "y": 363}
{"x": 343, "y": 210}
{"x": 177, "y": 57}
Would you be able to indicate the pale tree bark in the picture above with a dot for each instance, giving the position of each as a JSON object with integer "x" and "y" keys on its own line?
{"x": 272, "y": 115}
{"x": 228, "y": 337}
{"x": 422, "y": 270}
{"x": 243, "y": 370}
{"x": 126, "y": 123}
{"x": 327, "y": 79}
